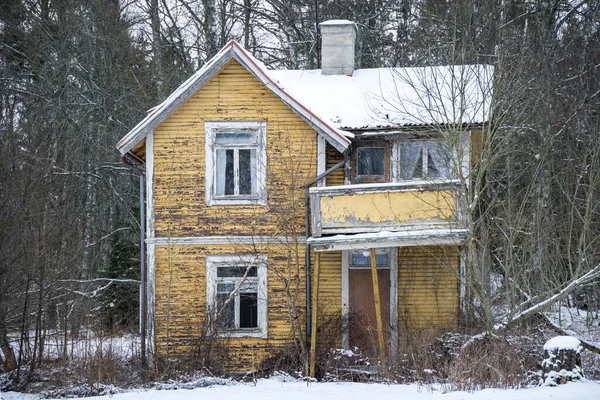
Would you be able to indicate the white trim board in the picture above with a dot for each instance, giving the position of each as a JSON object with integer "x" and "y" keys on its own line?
{"x": 164, "y": 241}
{"x": 150, "y": 250}
{"x": 427, "y": 237}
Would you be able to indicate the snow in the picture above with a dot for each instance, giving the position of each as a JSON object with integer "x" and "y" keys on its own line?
{"x": 276, "y": 388}
{"x": 337, "y": 22}
{"x": 393, "y": 97}
{"x": 563, "y": 343}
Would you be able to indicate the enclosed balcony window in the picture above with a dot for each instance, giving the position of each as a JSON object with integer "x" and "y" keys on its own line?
{"x": 425, "y": 160}
{"x": 371, "y": 163}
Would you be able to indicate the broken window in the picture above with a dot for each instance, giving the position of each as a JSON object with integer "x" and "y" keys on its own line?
{"x": 236, "y": 292}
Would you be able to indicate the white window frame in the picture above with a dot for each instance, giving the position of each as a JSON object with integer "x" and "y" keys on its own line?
{"x": 395, "y": 161}
{"x": 211, "y": 128}
{"x": 239, "y": 260}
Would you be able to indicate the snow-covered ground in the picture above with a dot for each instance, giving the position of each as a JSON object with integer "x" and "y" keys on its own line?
{"x": 275, "y": 388}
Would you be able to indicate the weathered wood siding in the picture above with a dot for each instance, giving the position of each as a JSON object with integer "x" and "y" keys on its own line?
{"x": 428, "y": 291}
{"x": 333, "y": 157}
{"x": 180, "y": 211}
{"x": 179, "y": 161}
{"x": 330, "y": 299}
{"x": 180, "y": 314}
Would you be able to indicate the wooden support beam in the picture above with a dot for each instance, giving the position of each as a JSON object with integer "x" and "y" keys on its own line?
{"x": 315, "y": 300}
{"x": 377, "y": 299}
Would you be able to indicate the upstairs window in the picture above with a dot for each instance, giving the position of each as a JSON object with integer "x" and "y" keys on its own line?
{"x": 236, "y": 294}
{"x": 371, "y": 163}
{"x": 235, "y": 163}
{"x": 424, "y": 160}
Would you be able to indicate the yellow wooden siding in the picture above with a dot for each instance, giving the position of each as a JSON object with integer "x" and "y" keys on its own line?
{"x": 329, "y": 323}
{"x": 333, "y": 157}
{"x": 180, "y": 304}
{"x": 428, "y": 291}
{"x": 179, "y": 161}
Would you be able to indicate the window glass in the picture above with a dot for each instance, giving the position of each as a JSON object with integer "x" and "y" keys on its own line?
{"x": 363, "y": 259}
{"x": 370, "y": 161}
{"x": 235, "y": 138}
{"x": 227, "y": 317}
{"x": 438, "y": 160}
{"x": 426, "y": 159}
{"x": 248, "y": 310}
{"x": 238, "y": 272}
{"x": 411, "y": 160}
{"x": 247, "y": 180}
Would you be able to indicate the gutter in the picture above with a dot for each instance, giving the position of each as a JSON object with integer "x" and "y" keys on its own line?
{"x": 307, "y": 246}
{"x": 130, "y": 161}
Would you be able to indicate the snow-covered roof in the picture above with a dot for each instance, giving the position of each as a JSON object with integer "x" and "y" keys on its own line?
{"x": 336, "y": 104}
{"x": 394, "y": 97}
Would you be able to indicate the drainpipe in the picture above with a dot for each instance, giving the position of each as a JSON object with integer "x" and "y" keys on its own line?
{"x": 307, "y": 247}
{"x": 135, "y": 164}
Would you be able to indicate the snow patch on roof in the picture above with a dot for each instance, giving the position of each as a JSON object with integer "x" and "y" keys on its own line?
{"x": 394, "y": 97}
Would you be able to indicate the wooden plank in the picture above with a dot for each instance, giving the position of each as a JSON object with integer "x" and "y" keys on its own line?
{"x": 315, "y": 309}
{"x": 380, "y": 336}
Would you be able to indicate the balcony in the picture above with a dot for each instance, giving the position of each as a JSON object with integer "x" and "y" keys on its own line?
{"x": 386, "y": 207}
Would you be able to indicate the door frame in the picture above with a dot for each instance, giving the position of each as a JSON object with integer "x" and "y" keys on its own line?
{"x": 393, "y": 337}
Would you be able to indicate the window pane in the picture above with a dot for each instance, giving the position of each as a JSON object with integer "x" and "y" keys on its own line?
{"x": 363, "y": 259}
{"x": 370, "y": 161}
{"x": 229, "y": 179}
{"x": 411, "y": 160}
{"x": 247, "y": 178}
{"x": 438, "y": 160}
{"x": 224, "y": 172}
{"x": 227, "y": 316}
{"x": 220, "y": 167}
{"x": 235, "y": 138}
{"x": 236, "y": 272}
{"x": 248, "y": 310}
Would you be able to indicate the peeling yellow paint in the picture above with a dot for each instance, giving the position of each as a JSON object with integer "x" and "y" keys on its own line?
{"x": 387, "y": 208}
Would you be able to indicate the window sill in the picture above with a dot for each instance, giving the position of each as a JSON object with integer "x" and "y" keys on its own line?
{"x": 235, "y": 202}
{"x": 244, "y": 333}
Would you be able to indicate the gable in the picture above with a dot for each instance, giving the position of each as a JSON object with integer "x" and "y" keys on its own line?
{"x": 232, "y": 50}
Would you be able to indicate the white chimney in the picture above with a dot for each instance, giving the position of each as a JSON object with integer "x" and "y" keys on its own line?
{"x": 337, "y": 47}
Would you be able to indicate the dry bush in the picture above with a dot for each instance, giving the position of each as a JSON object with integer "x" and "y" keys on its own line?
{"x": 491, "y": 362}
{"x": 421, "y": 356}
{"x": 210, "y": 352}
{"x": 289, "y": 360}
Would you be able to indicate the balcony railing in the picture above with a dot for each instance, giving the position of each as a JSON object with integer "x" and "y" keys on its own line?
{"x": 384, "y": 207}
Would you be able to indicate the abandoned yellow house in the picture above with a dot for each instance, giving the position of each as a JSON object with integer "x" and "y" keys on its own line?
{"x": 318, "y": 209}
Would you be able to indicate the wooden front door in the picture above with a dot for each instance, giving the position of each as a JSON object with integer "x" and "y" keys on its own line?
{"x": 362, "y": 321}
